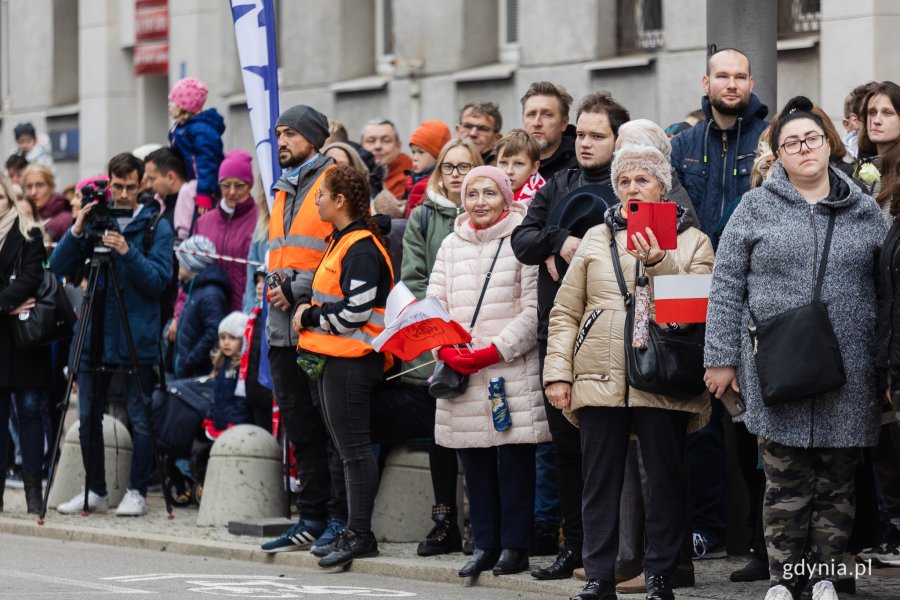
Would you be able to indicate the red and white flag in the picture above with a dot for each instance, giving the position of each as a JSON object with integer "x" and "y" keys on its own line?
{"x": 416, "y": 326}
{"x": 681, "y": 298}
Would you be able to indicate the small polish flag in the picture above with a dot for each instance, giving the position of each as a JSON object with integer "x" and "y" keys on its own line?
{"x": 681, "y": 298}
{"x": 416, "y": 326}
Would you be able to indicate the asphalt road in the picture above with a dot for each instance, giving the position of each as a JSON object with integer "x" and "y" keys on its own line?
{"x": 51, "y": 569}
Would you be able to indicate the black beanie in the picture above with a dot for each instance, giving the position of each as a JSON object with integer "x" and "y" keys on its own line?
{"x": 311, "y": 124}
{"x": 24, "y": 129}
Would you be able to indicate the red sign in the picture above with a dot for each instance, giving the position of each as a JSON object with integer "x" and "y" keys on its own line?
{"x": 151, "y": 24}
{"x": 151, "y": 59}
{"x": 147, "y": 3}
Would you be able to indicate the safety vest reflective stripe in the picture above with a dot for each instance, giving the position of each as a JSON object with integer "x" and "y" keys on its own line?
{"x": 302, "y": 248}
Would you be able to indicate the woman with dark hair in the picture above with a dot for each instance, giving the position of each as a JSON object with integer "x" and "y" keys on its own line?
{"x": 878, "y": 144}
{"x": 806, "y": 235}
{"x": 349, "y": 292}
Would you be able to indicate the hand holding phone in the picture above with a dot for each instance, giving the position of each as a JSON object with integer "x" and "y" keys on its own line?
{"x": 660, "y": 217}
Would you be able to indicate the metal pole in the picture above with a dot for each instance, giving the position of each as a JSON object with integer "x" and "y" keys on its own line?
{"x": 750, "y": 26}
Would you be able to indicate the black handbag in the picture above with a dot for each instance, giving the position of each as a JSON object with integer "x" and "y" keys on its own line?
{"x": 445, "y": 382}
{"x": 177, "y": 411}
{"x": 672, "y": 362}
{"x": 783, "y": 375}
{"x": 50, "y": 320}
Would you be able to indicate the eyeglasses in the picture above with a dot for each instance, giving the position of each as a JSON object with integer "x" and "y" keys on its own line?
{"x": 478, "y": 128}
{"x": 813, "y": 142}
{"x": 461, "y": 168}
{"x": 321, "y": 193}
{"x": 119, "y": 188}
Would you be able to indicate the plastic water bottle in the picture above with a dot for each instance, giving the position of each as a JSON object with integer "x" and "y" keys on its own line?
{"x": 499, "y": 407}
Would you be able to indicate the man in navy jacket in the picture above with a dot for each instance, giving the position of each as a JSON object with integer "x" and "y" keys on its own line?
{"x": 143, "y": 271}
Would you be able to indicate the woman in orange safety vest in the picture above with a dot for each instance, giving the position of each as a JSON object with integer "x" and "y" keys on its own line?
{"x": 349, "y": 292}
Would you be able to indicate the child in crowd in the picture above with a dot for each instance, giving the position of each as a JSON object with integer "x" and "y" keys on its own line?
{"x": 197, "y": 135}
{"x": 424, "y": 146}
{"x": 208, "y": 292}
{"x": 228, "y": 408}
{"x": 519, "y": 156}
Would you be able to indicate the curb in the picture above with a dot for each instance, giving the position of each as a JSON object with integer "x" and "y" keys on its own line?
{"x": 418, "y": 569}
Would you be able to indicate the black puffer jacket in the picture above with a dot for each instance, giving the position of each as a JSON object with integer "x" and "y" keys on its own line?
{"x": 888, "y": 357}
{"x": 208, "y": 297}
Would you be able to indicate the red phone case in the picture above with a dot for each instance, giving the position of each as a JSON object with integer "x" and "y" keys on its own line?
{"x": 660, "y": 217}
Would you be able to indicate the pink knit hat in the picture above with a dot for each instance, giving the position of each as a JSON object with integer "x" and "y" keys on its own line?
{"x": 189, "y": 94}
{"x": 237, "y": 164}
{"x": 493, "y": 173}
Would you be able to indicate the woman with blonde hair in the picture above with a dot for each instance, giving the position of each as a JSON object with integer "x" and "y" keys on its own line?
{"x": 40, "y": 186}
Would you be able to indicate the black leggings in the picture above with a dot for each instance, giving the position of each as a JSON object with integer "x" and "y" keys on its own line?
{"x": 345, "y": 389}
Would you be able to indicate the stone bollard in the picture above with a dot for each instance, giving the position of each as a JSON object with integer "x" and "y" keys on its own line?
{"x": 403, "y": 505}
{"x": 243, "y": 479}
{"x": 69, "y": 478}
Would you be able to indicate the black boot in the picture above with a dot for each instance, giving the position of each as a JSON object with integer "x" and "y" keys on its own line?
{"x": 597, "y": 590}
{"x": 350, "y": 545}
{"x": 562, "y": 568}
{"x": 33, "y": 488}
{"x": 756, "y": 569}
{"x": 481, "y": 561}
{"x": 659, "y": 587}
{"x": 511, "y": 561}
{"x": 444, "y": 537}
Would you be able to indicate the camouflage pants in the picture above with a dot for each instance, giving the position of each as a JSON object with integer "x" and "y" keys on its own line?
{"x": 808, "y": 505}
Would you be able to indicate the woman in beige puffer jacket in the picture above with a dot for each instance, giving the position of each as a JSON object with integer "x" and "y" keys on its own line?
{"x": 499, "y": 465}
{"x": 589, "y": 383}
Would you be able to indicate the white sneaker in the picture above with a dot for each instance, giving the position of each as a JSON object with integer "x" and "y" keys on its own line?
{"x": 96, "y": 504}
{"x": 779, "y": 592}
{"x": 824, "y": 590}
{"x": 132, "y": 504}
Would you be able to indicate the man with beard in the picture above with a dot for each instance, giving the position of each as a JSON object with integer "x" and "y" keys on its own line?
{"x": 296, "y": 245}
{"x": 570, "y": 203}
{"x": 545, "y": 116}
{"x": 714, "y": 158}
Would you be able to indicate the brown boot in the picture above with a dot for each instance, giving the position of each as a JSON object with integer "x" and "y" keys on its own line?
{"x": 33, "y": 492}
{"x": 636, "y": 585}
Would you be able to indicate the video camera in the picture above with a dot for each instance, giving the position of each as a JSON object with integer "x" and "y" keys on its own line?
{"x": 103, "y": 216}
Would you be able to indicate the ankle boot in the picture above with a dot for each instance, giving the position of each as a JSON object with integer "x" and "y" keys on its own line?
{"x": 33, "y": 492}
{"x": 444, "y": 537}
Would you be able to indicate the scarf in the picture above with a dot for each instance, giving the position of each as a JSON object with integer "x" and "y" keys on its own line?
{"x": 526, "y": 193}
{"x": 240, "y": 389}
{"x": 7, "y": 220}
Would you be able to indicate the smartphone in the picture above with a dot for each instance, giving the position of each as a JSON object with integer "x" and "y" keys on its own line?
{"x": 660, "y": 217}
{"x": 733, "y": 403}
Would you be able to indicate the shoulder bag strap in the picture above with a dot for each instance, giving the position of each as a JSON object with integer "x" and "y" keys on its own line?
{"x": 617, "y": 267}
{"x": 820, "y": 279}
{"x": 487, "y": 280}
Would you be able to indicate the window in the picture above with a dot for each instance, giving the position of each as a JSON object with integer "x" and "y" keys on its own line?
{"x": 640, "y": 25}
{"x": 510, "y": 50}
{"x": 384, "y": 36}
{"x": 798, "y": 17}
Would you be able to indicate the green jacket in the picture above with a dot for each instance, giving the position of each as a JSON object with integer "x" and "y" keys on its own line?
{"x": 419, "y": 254}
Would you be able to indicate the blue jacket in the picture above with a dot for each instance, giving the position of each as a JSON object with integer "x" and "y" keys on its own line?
{"x": 714, "y": 165}
{"x": 199, "y": 141}
{"x": 227, "y": 408}
{"x": 143, "y": 279}
{"x": 208, "y": 297}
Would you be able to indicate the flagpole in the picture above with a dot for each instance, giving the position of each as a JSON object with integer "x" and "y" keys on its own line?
{"x": 430, "y": 362}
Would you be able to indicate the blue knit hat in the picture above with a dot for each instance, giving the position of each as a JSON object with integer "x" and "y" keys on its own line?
{"x": 188, "y": 258}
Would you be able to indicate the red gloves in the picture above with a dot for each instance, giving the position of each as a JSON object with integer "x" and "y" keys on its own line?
{"x": 467, "y": 362}
{"x": 204, "y": 202}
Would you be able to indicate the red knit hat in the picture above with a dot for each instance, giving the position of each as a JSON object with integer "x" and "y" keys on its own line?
{"x": 431, "y": 137}
{"x": 189, "y": 94}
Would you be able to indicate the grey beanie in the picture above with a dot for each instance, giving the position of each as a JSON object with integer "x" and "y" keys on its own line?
{"x": 311, "y": 124}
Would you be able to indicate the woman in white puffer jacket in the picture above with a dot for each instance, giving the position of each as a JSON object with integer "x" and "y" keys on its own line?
{"x": 498, "y": 465}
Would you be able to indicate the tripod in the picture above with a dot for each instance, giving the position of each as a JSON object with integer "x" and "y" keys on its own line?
{"x": 102, "y": 275}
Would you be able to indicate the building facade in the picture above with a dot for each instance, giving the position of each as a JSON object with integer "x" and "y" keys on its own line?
{"x": 68, "y": 65}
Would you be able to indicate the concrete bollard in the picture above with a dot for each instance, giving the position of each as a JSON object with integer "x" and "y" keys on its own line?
{"x": 405, "y": 497}
{"x": 243, "y": 478}
{"x": 69, "y": 478}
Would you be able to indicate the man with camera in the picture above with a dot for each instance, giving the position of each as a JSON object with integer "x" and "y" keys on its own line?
{"x": 115, "y": 226}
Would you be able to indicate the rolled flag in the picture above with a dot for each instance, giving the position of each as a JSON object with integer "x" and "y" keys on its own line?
{"x": 416, "y": 326}
{"x": 681, "y": 298}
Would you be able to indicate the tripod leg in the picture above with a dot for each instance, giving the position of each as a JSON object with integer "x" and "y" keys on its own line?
{"x": 87, "y": 305}
{"x": 144, "y": 399}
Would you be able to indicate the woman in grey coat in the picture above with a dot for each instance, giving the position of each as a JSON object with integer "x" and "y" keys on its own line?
{"x": 766, "y": 262}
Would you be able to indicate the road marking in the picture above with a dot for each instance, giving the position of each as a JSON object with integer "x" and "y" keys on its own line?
{"x": 102, "y": 587}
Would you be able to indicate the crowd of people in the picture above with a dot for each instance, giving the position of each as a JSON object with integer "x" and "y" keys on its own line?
{"x": 522, "y": 236}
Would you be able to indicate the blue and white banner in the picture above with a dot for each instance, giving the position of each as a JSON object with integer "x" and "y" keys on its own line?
{"x": 254, "y": 28}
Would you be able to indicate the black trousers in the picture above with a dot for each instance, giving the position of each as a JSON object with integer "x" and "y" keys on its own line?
{"x": 604, "y": 439}
{"x": 346, "y": 388}
{"x": 567, "y": 447}
{"x": 322, "y": 493}
{"x": 500, "y": 481}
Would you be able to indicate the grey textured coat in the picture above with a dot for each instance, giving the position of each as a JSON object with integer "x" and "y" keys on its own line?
{"x": 766, "y": 256}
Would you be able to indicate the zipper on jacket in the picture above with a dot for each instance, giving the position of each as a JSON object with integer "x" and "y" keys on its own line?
{"x": 724, "y": 165}
{"x": 815, "y": 252}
